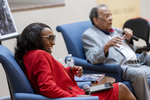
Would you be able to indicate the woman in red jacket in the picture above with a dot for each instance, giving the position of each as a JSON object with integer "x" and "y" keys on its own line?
{"x": 49, "y": 77}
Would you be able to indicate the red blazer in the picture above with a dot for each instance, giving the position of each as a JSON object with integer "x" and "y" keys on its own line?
{"x": 49, "y": 77}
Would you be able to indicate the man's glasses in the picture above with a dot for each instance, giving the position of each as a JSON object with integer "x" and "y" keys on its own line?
{"x": 50, "y": 37}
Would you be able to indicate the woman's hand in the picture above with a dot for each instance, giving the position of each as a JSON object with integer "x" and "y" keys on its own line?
{"x": 77, "y": 70}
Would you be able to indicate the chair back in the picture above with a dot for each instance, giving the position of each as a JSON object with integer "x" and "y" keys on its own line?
{"x": 72, "y": 36}
{"x": 17, "y": 81}
{"x": 140, "y": 28}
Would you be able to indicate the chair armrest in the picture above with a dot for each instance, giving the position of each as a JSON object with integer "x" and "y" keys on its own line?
{"x": 81, "y": 84}
{"x": 28, "y": 96}
{"x": 110, "y": 68}
{"x": 113, "y": 70}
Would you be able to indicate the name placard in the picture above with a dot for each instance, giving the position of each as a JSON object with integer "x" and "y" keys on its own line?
{"x": 122, "y": 10}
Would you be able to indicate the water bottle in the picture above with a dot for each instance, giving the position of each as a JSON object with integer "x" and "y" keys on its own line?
{"x": 70, "y": 61}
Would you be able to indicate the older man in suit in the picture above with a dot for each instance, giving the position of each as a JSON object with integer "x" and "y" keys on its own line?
{"x": 103, "y": 43}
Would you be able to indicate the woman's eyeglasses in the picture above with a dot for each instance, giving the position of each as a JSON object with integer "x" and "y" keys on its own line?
{"x": 50, "y": 37}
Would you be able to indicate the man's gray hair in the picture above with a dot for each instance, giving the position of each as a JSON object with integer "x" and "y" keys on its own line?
{"x": 94, "y": 12}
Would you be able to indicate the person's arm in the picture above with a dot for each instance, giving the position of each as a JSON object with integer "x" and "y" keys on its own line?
{"x": 75, "y": 70}
{"x": 128, "y": 38}
{"x": 113, "y": 42}
{"x": 94, "y": 51}
{"x": 128, "y": 34}
{"x": 45, "y": 80}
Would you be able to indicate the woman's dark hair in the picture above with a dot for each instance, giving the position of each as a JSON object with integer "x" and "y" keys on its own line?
{"x": 94, "y": 12}
{"x": 30, "y": 39}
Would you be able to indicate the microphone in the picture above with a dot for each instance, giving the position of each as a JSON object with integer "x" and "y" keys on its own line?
{"x": 122, "y": 32}
{"x": 86, "y": 88}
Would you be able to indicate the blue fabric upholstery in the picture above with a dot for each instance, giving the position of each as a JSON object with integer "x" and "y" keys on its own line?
{"x": 72, "y": 36}
{"x": 27, "y": 96}
{"x": 19, "y": 86}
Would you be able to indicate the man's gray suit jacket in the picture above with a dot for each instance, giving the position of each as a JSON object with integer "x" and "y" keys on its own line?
{"x": 94, "y": 39}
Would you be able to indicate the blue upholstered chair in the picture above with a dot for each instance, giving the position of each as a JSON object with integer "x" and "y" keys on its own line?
{"x": 72, "y": 36}
{"x": 19, "y": 86}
